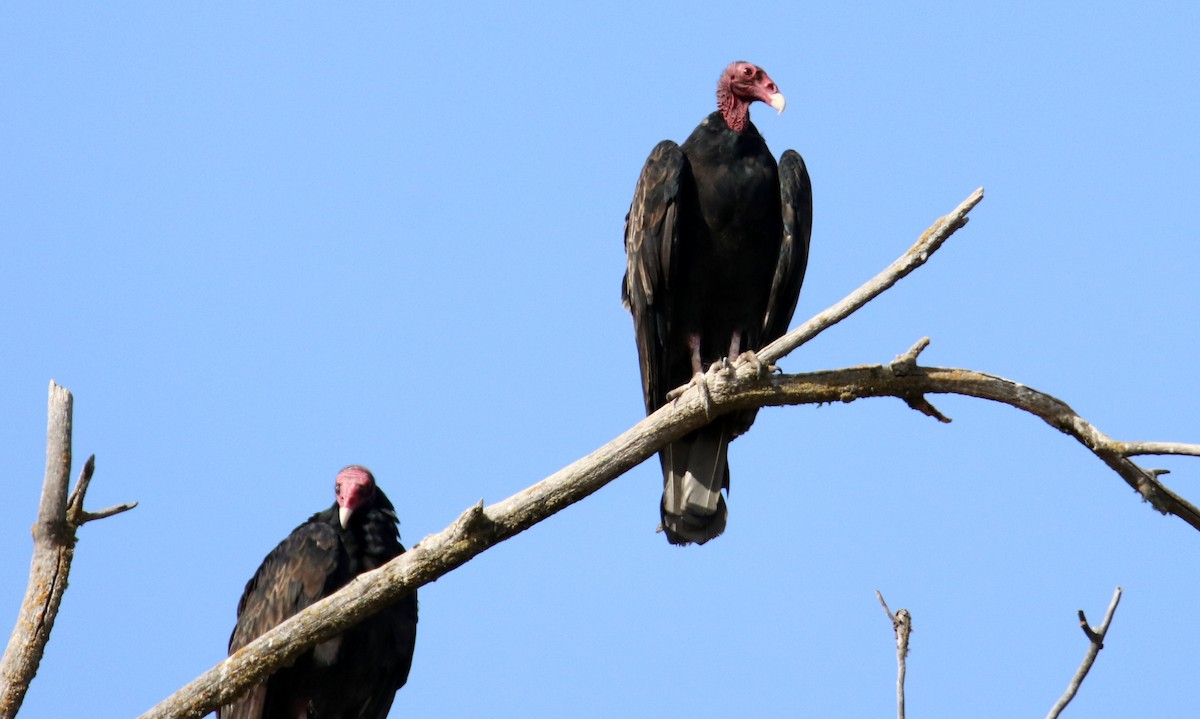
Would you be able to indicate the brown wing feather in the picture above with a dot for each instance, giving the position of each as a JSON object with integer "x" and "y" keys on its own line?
{"x": 294, "y": 575}
{"x": 795, "y": 190}
{"x": 651, "y": 241}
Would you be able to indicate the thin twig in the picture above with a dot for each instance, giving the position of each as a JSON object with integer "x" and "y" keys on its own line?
{"x": 75, "y": 503}
{"x": 1096, "y": 643}
{"x": 907, "y": 361}
{"x": 879, "y": 596}
{"x": 902, "y": 627}
{"x": 85, "y": 517}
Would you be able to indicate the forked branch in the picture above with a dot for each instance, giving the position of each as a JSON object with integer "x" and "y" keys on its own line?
{"x": 1096, "y": 639}
{"x": 53, "y": 550}
{"x": 902, "y": 627}
{"x": 481, "y": 527}
{"x": 847, "y": 385}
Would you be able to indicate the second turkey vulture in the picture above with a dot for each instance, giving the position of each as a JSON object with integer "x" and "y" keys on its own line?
{"x": 716, "y": 241}
{"x": 357, "y": 673}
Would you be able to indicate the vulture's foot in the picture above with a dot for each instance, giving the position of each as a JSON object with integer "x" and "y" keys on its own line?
{"x": 762, "y": 369}
{"x": 700, "y": 382}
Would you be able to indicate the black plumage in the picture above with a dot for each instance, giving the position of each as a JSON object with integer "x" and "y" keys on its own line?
{"x": 356, "y": 674}
{"x": 716, "y": 242}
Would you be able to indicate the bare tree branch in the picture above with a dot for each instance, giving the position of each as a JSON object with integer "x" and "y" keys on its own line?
{"x": 902, "y": 627}
{"x": 847, "y": 385}
{"x": 85, "y": 517}
{"x": 1132, "y": 449}
{"x": 53, "y": 549}
{"x": 1096, "y": 637}
{"x": 929, "y": 242}
{"x": 481, "y": 527}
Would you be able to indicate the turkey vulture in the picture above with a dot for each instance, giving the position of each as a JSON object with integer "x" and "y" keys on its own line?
{"x": 716, "y": 242}
{"x": 355, "y": 674}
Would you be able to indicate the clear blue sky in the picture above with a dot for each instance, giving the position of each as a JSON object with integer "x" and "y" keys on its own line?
{"x": 259, "y": 244}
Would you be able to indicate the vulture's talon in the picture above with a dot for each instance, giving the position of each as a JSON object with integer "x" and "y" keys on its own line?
{"x": 762, "y": 369}
{"x": 728, "y": 368}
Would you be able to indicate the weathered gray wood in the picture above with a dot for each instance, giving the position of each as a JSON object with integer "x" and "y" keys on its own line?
{"x": 1096, "y": 637}
{"x": 928, "y": 243}
{"x": 902, "y": 628}
{"x": 53, "y": 550}
{"x": 53, "y": 547}
{"x": 880, "y": 381}
{"x": 480, "y": 528}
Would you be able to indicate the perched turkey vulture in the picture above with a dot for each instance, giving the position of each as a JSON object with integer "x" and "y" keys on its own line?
{"x": 356, "y": 674}
{"x": 716, "y": 241}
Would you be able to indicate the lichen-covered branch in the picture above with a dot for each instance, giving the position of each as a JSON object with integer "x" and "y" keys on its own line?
{"x": 1096, "y": 639}
{"x": 53, "y": 550}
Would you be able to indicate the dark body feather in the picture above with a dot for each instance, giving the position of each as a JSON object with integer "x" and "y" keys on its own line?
{"x": 356, "y": 674}
{"x": 717, "y": 245}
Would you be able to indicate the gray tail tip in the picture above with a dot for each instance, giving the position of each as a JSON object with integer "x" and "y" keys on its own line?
{"x": 692, "y": 528}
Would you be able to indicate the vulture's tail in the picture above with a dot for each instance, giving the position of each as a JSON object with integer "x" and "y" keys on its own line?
{"x": 695, "y": 469}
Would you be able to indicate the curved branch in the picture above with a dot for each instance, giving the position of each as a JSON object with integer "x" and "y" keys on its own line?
{"x": 482, "y": 527}
{"x": 879, "y": 381}
{"x": 929, "y": 242}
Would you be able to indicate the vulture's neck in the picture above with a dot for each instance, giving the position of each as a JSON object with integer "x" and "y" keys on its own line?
{"x": 735, "y": 110}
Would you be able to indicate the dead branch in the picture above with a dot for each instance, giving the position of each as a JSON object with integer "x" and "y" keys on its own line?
{"x": 481, "y": 527}
{"x": 929, "y": 242}
{"x": 902, "y": 627}
{"x": 1132, "y": 449}
{"x": 1096, "y": 637}
{"x": 847, "y": 385}
{"x": 53, "y": 549}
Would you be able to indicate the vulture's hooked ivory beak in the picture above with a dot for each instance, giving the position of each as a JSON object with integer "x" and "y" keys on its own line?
{"x": 778, "y": 102}
{"x": 344, "y": 516}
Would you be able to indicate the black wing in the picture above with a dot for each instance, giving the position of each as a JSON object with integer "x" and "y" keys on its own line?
{"x": 651, "y": 241}
{"x": 795, "y": 190}
{"x": 297, "y": 573}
